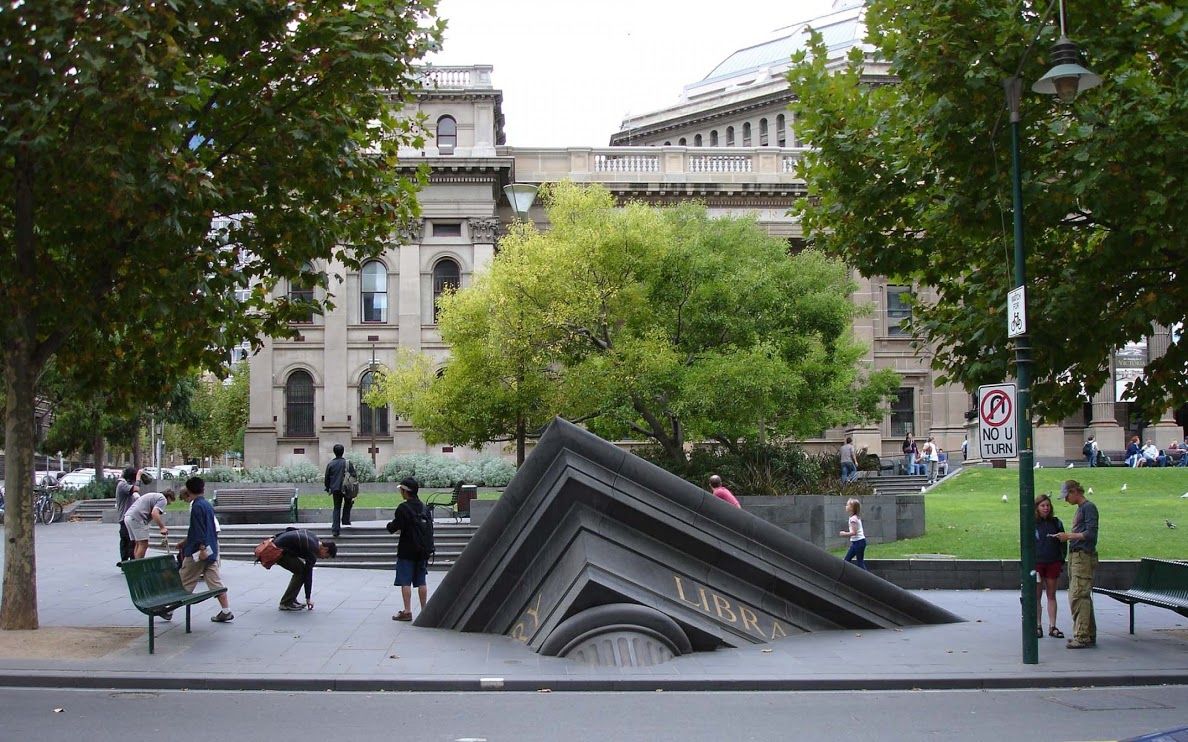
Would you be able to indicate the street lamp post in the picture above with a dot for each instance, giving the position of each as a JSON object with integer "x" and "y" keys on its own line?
{"x": 1065, "y": 80}
{"x": 371, "y": 407}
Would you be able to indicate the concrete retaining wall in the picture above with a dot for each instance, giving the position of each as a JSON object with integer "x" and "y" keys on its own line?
{"x": 818, "y": 518}
{"x": 984, "y": 574}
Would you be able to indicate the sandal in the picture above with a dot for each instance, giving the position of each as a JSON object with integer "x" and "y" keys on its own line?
{"x": 402, "y": 616}
{"x": 1055, "y": 633}
{"x": 1039, "y": 632}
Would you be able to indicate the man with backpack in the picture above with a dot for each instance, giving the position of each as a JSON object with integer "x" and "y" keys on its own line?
{"x": 342, "y": 483}
{"x": 301, "y": 552}
{"x": 414, "y": 521}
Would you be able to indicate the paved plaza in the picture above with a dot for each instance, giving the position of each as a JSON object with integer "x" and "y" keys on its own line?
{"x": 349, "y": 642}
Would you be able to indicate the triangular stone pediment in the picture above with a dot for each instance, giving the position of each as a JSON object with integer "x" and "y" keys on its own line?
{"x": 585, "y": 525}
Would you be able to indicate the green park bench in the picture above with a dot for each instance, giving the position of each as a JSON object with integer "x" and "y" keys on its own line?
{"x": 156, "y": 589}
{"x": 257, "y": 500}
{"x": 1160, "y": 583}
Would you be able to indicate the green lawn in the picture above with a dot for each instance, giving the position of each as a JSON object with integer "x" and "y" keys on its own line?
{"x": 967, "y": 518}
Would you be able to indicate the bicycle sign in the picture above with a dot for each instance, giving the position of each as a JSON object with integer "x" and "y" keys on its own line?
{"x": 1016, "y": 312}
{"x": 996, "y": 421}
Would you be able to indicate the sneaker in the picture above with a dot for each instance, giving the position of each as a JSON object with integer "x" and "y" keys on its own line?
{"x": 294, "y": 606}
{"x": 222, "y": 617}
{"x": 1078, "y": 644}
{"x": 167, "y": 616}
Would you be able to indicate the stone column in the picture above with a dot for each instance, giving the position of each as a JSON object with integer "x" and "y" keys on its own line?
{"x": 1165, "y": 430}
{"x": 869, "y": 436}
{"x": 409, "y": 291}
{"x": 333, "y": 404}
{"x": 1110, "y": 435}
{"x": 259, "y": 440}
{"x": 483, "y": 232}
{"x": 1048, "y": 442}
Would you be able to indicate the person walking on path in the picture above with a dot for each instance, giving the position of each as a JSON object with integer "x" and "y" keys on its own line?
{"x": 200, "y": 550}
{"x": 1049, "y": 561}
{"x": 301, "y": 551}
{"x": 127, "y": 490}
{"x": 849, "y": 460}
{"x": 1082, "y": 562}
{"x": 857, "y": 551}
{"x": 719, "y": 491}
{"x": 412, "y": 555}
{"x": 336, "y": 472}
{"x": 148, "y": 508}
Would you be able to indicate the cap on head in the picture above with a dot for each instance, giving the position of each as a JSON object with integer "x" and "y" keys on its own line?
{"x": 1070, "y": 487}
{"x": 409, "y": 485}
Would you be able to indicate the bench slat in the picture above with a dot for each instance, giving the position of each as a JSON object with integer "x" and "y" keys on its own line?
{"x": 1159, "y": 582}
{"x": 156, "y": 589}
{"x": 259, "y": 499}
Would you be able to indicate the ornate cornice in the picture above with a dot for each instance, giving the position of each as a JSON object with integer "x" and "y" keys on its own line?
{"x": 484, "y": 229}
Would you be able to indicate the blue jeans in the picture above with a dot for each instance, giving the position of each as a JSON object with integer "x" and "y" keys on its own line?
{"x": 849, "y": 471}
{"x": 857, "y": 553}
{"x": 1091, "y": 458}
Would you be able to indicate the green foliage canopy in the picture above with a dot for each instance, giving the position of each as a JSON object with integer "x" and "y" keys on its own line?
{"x": 912, "y": 180}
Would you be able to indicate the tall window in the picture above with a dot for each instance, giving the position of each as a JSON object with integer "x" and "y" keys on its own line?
{"x": 447, "y": 135}
{"x": 762, "y": 132}
{"x": 899, "y": 310}
{"x": 903, "y": 413}
{"x": 299, "y": 405}
{"x": 729, "y": 136}
{"x": 374, "y": 290}
{"x": 714, "y": 138}
{"x": 746, "y": 134}
{"x": 682, "y": 141}
{"x": 446, "y": 277}
{"x": 697, "y": 140}
{"x": 301, "y": 290}
{"x": 781, "y": 131}
{"x": 366, "y": 411}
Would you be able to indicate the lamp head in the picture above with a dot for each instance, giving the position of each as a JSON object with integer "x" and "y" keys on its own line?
{"x": 1067, "y": 77}
{"x": 520, "y": 196}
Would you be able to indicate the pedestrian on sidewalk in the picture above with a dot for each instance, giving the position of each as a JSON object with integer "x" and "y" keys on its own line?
{"x": 200, "y": 550}
{"x": 336, "y": 472}
{"x": 857, "y": 551}
{"x": 1049, "y": 561}
{"x": 302, "y": 550}
{"x": 1082, "y": 562}
{"x": 415, "y": 524}
{"x": 127, "y": 490}
{"x": 849, "y": 460}
{"x": 149, "y": 507}
{"x": 718, "y": 490}
{"x": 931, "y": 455}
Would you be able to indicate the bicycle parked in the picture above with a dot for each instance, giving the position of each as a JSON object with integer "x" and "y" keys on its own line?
{"x": 45, "y": 508}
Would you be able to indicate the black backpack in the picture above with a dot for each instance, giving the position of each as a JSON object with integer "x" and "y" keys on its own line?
{"x": 421, "y": 532}
{"x": 1088, "y": 449}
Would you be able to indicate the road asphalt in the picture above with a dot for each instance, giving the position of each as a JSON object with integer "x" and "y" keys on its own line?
{"x": 350, "y": 642}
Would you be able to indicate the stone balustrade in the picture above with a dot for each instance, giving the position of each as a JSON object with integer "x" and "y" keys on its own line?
{"x": 457, "y": 78}
{"x": 656, "y": 164}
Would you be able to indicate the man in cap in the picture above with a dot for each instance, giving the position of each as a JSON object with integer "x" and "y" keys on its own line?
{"x": 414, "y": 548}
{"x": 1082, "y": 562}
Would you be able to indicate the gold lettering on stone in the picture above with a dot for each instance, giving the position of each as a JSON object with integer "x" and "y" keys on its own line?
{"x": 722, "y": 606}
{"x": 750, "y": 621}
{"x": 777, "y": 630}
{"x": 534, "y": 613}
{"x": 703, "y": 605}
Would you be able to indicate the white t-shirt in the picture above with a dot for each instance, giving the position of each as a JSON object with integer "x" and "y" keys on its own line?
{"x": 141, "y": 511}
{"x": 856, "y": 527}
{"x": 930, "y": 452}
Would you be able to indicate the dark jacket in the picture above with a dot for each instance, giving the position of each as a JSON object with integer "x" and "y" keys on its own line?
{"x": 1048, "y": 549}
{"x": 335, "y": 472}
{"x": 402, "y": 521}
{"x": 202, "y": 531}
{"x": 303, "y": 545}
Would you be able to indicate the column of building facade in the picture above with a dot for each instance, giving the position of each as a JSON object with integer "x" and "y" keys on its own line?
{"x": 409, "y": 292}
{"x": 333, "y": 406}
{"x": 1104, "y": 426}
{"x": 868, "y": 435}
{"x": 483, "y": 233}
{"x": 1164, "y": 430}
{"x": 259, "y": 440}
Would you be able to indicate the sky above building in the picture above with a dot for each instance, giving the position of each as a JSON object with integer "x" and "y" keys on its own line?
{"x": 570, "y": 72}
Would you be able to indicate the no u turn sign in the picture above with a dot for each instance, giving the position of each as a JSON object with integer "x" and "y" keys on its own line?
{"x": 997, "y": 433}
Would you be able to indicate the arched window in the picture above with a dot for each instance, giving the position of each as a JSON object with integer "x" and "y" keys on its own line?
{"x": 682, "y": 141}
{"x": 746, "y": 142}
{"x": 367, "y": 414}
{"x": 714, "y": 138}
{"x": 762, "y": 132}
{"x": 301, "y": 290}
{"x": 299, "y": 405}
{"x": 374, "y": 291}
{"x": 668, "y": 144}
{"x": 697, "y": 140}
{"x": 781, "y": 131}
{"x": 729, "y": 136}
{"x": 446, "y": 277}
{"x": 447, "y": 135}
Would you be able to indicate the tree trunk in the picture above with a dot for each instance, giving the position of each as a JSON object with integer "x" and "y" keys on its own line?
{"x": 136, "y": 452}
{"x": 98, "y": 451}
{"x": 18, "y": 610}
{"x": 521, "y": 435}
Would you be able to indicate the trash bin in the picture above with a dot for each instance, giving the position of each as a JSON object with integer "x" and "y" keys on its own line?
{"x": 465, "y": 495}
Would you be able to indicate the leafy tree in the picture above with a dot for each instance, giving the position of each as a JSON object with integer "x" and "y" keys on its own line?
{"x": 912, "y": 180}
{"x": 652, "y": 323}
{"x": 156, "y": 158}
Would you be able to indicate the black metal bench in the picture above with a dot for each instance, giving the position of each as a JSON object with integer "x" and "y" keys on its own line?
{"x": 257, "y": 500}
{"x": 433, "y": 501}
{"x": 156, "y": 589}
{"x": 1160, "y": 582}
